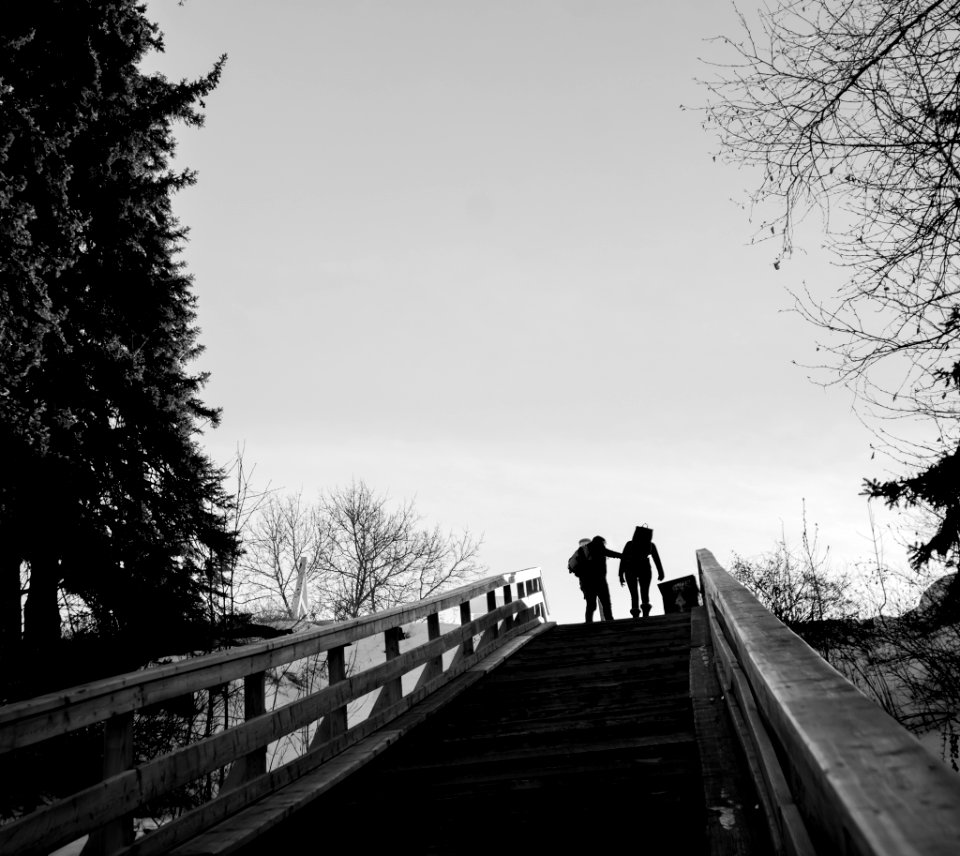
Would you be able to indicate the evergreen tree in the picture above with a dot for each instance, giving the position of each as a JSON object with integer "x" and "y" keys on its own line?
{"x": 104, "y": 490}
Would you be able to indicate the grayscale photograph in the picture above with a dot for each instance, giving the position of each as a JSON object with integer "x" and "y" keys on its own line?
{"x": 459, "y": 426}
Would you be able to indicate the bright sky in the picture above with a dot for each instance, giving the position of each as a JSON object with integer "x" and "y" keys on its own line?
{"x": 474, "y": 252}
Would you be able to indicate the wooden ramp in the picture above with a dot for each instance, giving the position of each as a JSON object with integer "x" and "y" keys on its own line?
{"x": 717, "y": 731}
{"x": 586, "y": 734}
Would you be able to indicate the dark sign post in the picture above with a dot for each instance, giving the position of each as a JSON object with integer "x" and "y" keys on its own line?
{"x": 679, "y": 595}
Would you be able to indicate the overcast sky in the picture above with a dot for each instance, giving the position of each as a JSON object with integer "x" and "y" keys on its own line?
{"x": 476, "y": 254}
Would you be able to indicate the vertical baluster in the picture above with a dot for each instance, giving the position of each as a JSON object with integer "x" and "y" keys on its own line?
{"x": 335, "y": 722}
{"x": 465, "y": 618}
{"x": 523, "y": 616}
{"x": 117, "y": 757}
{"x": 254, "y": 705}
{"x": 391, "y": 640}
{"x": 493, "y": 631}
{"x": 491, "y": 606}
{"x": 253, "y": 763}
{"x": 508, "y": 598}
{"x": 536, "y": 588}
{"x": 433, "y": 666}
{"x": 392, "y": 691}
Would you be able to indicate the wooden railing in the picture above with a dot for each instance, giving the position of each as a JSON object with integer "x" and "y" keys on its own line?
{"x": 107, "y": 808}
{"x": 835, "y": 773}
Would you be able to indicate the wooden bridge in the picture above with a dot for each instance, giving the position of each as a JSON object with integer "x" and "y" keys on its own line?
{"x": 713, "y": 731}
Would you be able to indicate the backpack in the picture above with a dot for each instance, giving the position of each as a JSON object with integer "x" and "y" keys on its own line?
{"x": 577, "y": 562}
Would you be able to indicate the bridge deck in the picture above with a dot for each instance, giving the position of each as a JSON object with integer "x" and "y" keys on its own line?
{"x": 589, "y": 731}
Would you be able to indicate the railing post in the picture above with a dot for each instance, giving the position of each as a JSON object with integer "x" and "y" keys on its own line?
{"x": 432, "y": 668}
{"x": 508, "y": 598}
{"x": 491, "y": 606}
{"x": 465, "y": 618}
{"x": 253, "y": 763}
{"x": 335, "y": 722}
{"x": 391, "y": 641}
{"x": 536, "y": 585}
{"x": 117, "y": 757}
{"x": 523, "y": 616}
{"x": 392, "y": 691}
{"x": 493, "y": 631}
{"x": 254, "y": 705}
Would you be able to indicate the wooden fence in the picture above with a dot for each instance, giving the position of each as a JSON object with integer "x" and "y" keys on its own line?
{"x": 835, "y": 773}
{"x": 512, "y": 604}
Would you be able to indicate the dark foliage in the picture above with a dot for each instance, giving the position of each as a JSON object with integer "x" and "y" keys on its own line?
{"x": 105, "y": 492}
{"x": 936, "y": 487}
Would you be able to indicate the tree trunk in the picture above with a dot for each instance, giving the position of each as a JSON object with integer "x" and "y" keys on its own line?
{"x": 10, "y": 631}
{"x": 41, "y": 612}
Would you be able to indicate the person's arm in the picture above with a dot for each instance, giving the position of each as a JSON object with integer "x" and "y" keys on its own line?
{"x": 612, "y": 553}
{"x": 656, "y": 561}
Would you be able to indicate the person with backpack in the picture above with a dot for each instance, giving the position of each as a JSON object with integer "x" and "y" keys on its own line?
{"x": 635, "y": 568}
{"x": 589, "y": 563}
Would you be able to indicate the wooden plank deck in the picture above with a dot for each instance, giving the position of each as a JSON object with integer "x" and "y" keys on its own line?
{"x": 587, "y": 734}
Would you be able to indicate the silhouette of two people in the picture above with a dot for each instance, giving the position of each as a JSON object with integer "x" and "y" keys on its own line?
{"x": 635, "y": 569}
{"x": 589, "y": 563}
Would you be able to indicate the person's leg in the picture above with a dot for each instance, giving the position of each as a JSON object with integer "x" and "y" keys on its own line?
{"x": 634, "y": 600}
{"x": 604, "y": 594}
{"x": 645, "y": 592}
{"x": 591, "y": 598}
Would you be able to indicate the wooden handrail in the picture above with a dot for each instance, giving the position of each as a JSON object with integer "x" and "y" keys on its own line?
{"x": 43, "y": 717}
{"x": 108, "y": 805}
{"x": 838, "y": 774}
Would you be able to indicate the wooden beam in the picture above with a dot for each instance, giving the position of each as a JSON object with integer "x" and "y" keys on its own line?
{"x": 254, "y": 763}
{"x": 421, "y": 703}
{"x": 433, "y": 667}
{"x": 493, "y": 631}
{"x": 28, "y": 722}
{"x": 788, "y": 832}
{"x": 864, "y": 785}
{"x": 117, "y": 758}
{"x": 728, "y": 795}
{"x": 392, "y": 690}
{"x": 465, "y": 619}
{"x": 242, "y": 830}
{"x": 508, "y": 598}
{"x": 335, "y": 722}
{"x": 94, "y": 806}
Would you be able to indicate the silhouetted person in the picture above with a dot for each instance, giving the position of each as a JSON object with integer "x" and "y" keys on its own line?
{"x": 579, "y": 564}
{"x": 635, "y": 568}
{"x": 597, "y": 552}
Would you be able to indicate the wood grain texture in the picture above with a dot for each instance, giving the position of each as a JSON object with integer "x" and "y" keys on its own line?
{"x": 586, "y": 731}
{"x": 864, "y": 785}
{"x": 735, "y": 822}
{"x": 249, "y": 826}
{"x": 123, "y": 792}
{"x": 43, "y": 717}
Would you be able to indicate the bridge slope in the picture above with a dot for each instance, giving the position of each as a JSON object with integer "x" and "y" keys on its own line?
{"x": 588, "y": 731}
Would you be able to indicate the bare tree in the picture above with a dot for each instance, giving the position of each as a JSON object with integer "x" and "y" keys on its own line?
{"x": 866, "y": 622}
{"x": 284, "y": 531}
{"x": 854, "y": 109}
{"x": 798, "y": 585}
{"x": 372, "y": 556}
{"x": 361, "y": 553}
